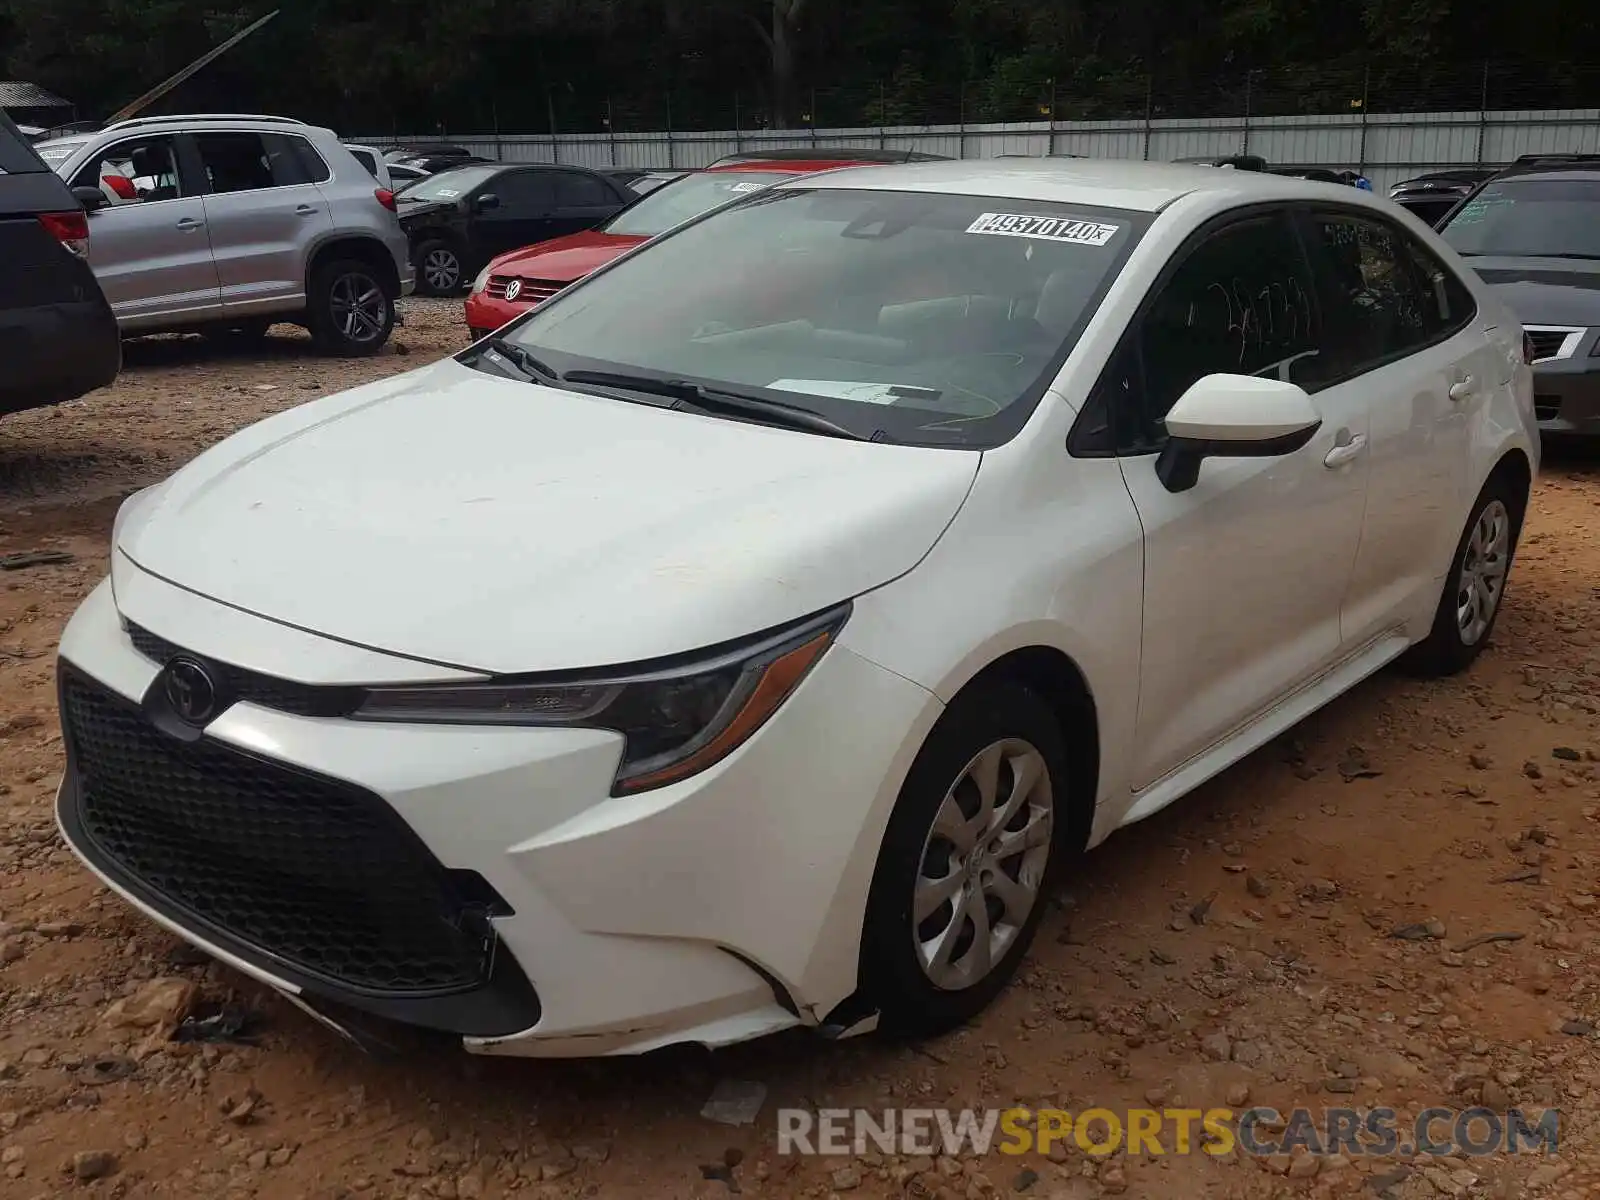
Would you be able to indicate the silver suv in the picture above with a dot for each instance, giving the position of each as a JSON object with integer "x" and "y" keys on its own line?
{"x": 228, "y": 223}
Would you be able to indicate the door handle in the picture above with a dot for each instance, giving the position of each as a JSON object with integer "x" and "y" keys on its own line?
{"x": 1462, "y": 388}
{"x": 304, "y": 210}
{"x": 1347, "y": 453}
{"x": 187, "y": 223}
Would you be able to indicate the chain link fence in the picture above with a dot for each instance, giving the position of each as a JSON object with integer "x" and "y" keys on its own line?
{"x": 1385, "y": 121}
{"x": 909, "y": 100}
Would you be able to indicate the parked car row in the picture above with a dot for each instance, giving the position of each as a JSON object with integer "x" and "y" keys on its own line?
{"x": 876, "y": 766}
{"x": 511, "y": 283}
{"x": 459, "y": 219}
{"x": 226, "y": 223}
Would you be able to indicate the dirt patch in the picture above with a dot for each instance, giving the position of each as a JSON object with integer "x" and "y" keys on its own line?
{"x": 1338, "y": 958}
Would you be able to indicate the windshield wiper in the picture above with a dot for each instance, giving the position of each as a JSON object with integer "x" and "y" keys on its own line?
{"x": 719, "y": 400}
{"x": 529, "y": 364}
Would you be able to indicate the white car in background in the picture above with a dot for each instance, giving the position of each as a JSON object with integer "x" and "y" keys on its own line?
{"x": 660, "y": 672}
{"x": 395, "y": 176}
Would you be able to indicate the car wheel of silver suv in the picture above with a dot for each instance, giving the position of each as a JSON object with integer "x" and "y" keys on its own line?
{"x": 350, "y": 313}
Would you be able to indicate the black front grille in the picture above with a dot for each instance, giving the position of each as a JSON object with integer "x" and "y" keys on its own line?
{"x": 1547, "y": 342}
{"x": 1547, "y": 408}
{"x": 285, "y": 695}
{"x": 314, "y": 873}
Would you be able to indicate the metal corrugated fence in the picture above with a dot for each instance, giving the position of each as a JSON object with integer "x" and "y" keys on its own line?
{"x": 1385, "y": 147}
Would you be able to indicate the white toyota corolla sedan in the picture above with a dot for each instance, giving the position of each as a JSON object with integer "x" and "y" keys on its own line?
{"x": 747, "y": 637}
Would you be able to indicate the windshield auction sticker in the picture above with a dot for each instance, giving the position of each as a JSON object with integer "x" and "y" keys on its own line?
{"x": 1050, "y": 229}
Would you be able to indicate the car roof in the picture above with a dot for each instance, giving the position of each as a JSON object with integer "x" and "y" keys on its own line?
{"x": 1112, "y": 183}
{"x": 852, "y": 154}
{"x": 1557, "y": 171}
{"x": 786, "y": 166}
{"x": 527, "y": 166}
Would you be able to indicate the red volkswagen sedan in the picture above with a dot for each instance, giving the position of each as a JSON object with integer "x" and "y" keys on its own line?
{"x": 518, "y": 279}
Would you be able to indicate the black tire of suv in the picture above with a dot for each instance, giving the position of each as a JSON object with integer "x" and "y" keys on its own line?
{"x": 892, "y": 978}
{"x": 425, "y": 285}
{"x": 332, "y": 285}
{"x": 1444, "y": 652}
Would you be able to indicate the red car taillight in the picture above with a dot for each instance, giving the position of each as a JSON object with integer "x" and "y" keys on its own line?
{"x": 385, "y": 198}
{"x": 71, "y": 229}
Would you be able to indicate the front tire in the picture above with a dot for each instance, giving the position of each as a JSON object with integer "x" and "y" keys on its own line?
{"x": 966, "y": 862}
{"x": 350, "y": 314}
{"x": 1475, "y": 588}
{"x": 440, "y": 271}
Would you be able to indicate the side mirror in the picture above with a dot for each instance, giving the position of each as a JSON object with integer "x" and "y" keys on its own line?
{"x": 1233, "y": 416}
{"x": 487, "y": 201}
{"x": 90, "y": 197}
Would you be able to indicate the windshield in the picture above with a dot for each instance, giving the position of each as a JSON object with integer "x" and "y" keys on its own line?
{"x": 1528, "y": 218}
{"x": 56, "y": 153}
{"x": 688, "y": 197}
{"x": 450, "y": 185}
{"x": 928, "y": 318}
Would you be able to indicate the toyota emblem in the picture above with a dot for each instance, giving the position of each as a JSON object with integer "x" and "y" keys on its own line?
{"x": 513, "y": 289}
{"x": 190, "y": 691}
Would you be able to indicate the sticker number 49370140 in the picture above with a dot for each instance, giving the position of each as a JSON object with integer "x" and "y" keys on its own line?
{"x": 1053, "y": 229}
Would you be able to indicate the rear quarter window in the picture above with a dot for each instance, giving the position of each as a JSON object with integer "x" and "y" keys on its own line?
{"x": 299, "y": 161}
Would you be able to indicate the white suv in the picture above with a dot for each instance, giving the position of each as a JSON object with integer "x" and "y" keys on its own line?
{"x": 229, "y": 223}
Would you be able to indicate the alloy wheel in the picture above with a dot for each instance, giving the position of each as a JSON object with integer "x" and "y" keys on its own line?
{"x": 1484, "y": 561}
{"x": 442, "y": 269}
{"x": 983, "y": 863}
{"x": 357, "y": 305}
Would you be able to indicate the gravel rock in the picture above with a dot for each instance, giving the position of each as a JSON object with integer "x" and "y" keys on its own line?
{"x": 87, "y": 1165}
{"x": 158, "y": 1006}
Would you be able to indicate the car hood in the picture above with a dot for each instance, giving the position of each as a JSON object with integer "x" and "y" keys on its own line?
{"x": 408, "y": 210}
{"x": 1545, "y": 291}
{"x": 565, "y": 259}
{"x": 455, "y": 517}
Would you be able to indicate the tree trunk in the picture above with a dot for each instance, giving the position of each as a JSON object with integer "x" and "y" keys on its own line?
{"x": 783, "y": 85}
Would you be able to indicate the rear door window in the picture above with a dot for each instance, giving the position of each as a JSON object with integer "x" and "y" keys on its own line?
{"x": 252, "y": 162}
{"x": 1373, "y": 299}
{"x": 581, "y": 191}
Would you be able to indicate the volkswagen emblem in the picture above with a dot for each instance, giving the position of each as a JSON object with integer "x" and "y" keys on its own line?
{"x": 513, "y": 289}
{"x": 190, "y": 691}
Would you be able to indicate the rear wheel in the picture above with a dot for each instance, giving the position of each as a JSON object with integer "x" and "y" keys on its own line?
{"x": 349, "y": 313}
{"x": 439, "y": 268}
{"x": 966, "y": 861}
{"x": 1476, "y": 585}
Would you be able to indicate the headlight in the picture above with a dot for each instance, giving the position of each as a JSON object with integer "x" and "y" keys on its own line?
{"x": 481, "y": 282}
{"x": 677, "y": 719}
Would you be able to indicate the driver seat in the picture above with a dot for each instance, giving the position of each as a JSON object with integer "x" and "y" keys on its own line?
{"x": 151, "y": 163}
